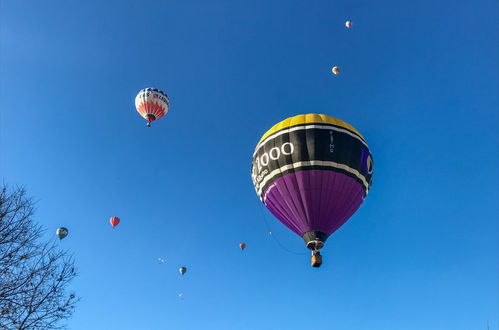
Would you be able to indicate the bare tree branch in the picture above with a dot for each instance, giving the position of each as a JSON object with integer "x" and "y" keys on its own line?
{"x": 34, "y": 275}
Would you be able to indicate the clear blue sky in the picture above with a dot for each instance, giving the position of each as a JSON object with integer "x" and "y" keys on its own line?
{"x": 419, "y": 80}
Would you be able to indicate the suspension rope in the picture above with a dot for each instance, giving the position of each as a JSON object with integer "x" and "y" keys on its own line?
{"x": 275, "y": 238}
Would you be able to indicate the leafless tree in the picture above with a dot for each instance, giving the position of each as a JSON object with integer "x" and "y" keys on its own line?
{"x": 34, "y": 274}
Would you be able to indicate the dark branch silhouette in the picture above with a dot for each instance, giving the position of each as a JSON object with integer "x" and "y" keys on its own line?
{"x": 34, "y": 275}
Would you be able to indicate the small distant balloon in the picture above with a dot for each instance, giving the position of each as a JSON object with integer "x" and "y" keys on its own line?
{"x": 114, "y": 221}
{"x": 181, "y": 294}
{"x": 161, "y": 260}
{"x": 61, "y": 232}
{"x": 335, "y": 70}
{"x": 242, "y": 245}
{"x": 270, "y": 233}
{"x": 182, "y": 270}
{"x": 152, "y": 104}
{"x": 348, "y": 24}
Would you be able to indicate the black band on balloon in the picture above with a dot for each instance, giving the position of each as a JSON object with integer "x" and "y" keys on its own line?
{"x": 314, "y": 236}
{"x": 328, "y": 148}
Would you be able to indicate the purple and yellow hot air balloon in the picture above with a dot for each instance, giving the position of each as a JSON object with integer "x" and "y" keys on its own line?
{"x": 312, "y": 172}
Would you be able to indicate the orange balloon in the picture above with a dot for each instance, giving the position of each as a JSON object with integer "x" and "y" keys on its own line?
{"x": 242, "y": 245}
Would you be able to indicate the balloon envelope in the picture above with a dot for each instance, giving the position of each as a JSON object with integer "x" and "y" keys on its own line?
{"x": 152, "y": 104}
{"x": 182, "y": 270}
{"x": 312, "y": 172}
{"x": 114, "y": 221}
{"x": 61, "y": 232}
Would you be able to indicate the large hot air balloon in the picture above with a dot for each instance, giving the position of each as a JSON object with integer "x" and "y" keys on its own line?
{"x": 152, "y": 104}
{"x": 312, "y": 172}
{"x": 182, "y": 270}
{"x": 114, "y": 221}
{"x": 61, "y": 232}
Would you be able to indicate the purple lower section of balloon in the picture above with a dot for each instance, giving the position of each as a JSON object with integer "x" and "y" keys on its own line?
{"x": 314, "y": 200}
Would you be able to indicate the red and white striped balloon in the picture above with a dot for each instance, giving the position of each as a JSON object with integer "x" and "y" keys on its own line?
{"x": 114, "y": 221}
{"x": 152, "y": 104}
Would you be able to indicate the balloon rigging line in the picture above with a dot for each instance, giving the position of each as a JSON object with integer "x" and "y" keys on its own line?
{"x": 275, "y": 238}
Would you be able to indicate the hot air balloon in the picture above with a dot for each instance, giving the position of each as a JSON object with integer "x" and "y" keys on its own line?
{"x": 114, "y": 221}
{"x": 348, "y": 24}
{"x": 335, "y": 70}
{"x": 181, "y": 294}
{"x": 61, "y": 232}
{"x": 152, "y": 104}
{"x": 182, "y": 270}
{"x": 312, "y": 172}
{"x": 242, "y": 245}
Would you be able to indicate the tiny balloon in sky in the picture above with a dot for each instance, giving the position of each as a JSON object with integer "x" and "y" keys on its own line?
{"x": 348, "y": 24}
{"x": 152, "y": 104}
{"x": 61, "y": 232}
{"x": 114, "y": 221}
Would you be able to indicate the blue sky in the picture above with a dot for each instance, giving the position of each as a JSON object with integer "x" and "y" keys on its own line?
{"x": 419, "y": 80}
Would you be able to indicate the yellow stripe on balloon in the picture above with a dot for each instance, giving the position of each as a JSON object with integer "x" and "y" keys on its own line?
{"x": 310, "y": 118}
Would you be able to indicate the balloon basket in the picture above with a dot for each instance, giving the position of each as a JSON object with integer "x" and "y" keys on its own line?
{"x": 316, "y": 260}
